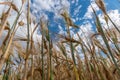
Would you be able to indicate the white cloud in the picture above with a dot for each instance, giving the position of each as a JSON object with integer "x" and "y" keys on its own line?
{"x": 115, "y": 17}
{"x": 43, "y": 4}
{"x": 61, "y": 30}
{"x": 50, "y": 5}
{"x": 87, "y": 29}
{"x": 89, "y": 12}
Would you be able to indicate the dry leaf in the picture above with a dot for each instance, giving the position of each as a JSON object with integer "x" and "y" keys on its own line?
{"x": 6, "y": 28}
{"x": 21, "y": 23}
{"x": 10, "y": 4}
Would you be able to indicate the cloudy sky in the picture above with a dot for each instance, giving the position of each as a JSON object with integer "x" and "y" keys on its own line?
{"x": 79, "y": 11}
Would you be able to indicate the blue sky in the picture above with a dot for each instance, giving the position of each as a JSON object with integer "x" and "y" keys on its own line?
{"x": 77, "y": 10}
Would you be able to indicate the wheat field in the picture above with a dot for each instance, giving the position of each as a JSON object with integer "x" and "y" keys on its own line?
{"x": 25, "y": 56}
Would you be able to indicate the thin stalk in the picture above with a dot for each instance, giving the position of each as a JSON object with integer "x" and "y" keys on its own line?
{"x": 50, "y": 55}
{"x": 28, "y": 40}
{"x": 71, "y": 45}
{"x": 42, "y": 59}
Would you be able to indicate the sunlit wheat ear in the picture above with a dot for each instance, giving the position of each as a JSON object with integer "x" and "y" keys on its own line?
{"x": 68, "y": 20}
{"x": 44, "y": 28}
{"x": 44, "y": 24}
{"x": 101, "y": 5}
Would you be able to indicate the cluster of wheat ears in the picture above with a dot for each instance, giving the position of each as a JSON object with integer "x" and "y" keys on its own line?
{"x": 23, "y": 58}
